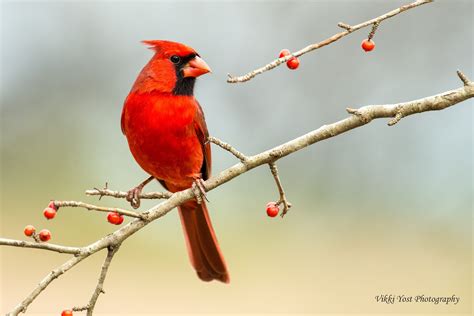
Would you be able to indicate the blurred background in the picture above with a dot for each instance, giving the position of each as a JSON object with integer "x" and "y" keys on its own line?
{"x": 378, "y": 210}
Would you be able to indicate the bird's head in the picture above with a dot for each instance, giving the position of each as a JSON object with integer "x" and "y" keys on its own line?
{"x": 173, "y": 69}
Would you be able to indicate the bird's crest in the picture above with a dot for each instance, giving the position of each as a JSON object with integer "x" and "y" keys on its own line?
{"x": 163, "y": 46}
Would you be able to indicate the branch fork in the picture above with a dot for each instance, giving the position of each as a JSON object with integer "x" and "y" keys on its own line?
{"x": 228, "y": 148}
{"x": 363, "y": 116}
{"x": 283, "y": 200}
{"x": 348, "y": 29}
{"x": 99, "y": 289}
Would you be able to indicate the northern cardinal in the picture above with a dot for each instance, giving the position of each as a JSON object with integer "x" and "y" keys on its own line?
{"x": 167, "y": 135}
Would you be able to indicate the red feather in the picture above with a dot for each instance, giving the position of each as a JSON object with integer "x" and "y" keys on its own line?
{"x": 167, "y": 136}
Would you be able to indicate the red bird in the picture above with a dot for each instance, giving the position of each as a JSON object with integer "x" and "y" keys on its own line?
{"x": 167, "y": 135}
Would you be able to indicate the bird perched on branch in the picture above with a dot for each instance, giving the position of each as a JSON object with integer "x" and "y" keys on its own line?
{"x": 167, "y": 135}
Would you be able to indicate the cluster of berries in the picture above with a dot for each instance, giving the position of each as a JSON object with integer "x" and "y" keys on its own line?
{"x": 44, "y": 235}
{"x": 51, "y": 211}
{"x": 293, "y": 63}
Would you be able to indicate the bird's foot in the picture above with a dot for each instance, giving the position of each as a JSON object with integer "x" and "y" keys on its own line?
{"x": 133, "y": 195}
{"x": 199, "y": 190}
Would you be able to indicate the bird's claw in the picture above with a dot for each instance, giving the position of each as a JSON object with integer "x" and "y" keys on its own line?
{"x": 133, "y": 196}
{"x": 199, "y": 190}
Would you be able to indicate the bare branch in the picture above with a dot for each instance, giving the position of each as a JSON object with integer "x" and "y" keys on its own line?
{"x": 92, "y": 207}
{"x": 227, "y": 147}
{"x": 36, "y": 245}
{"x": 401, "y": 110}
{"x": 463, "y": 78}
{"x": 21, "y": 308}
{"x": 123, "y": 194}
{"x": 100, "y": 283}
{"x": 283, "y": 200}
{"x": 345, "y": 26}
{"x": 348, "y": 29}
{"x": 360, "y": 117}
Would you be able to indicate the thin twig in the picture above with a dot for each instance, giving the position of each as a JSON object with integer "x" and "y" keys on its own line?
{"x": 227, "y": 147}
{"x": 463, "y": 78}
{"x": 21, "y": 308}
{"x": 123, "y": 194}
{"x": 283, "y": 200}
{"x": 345, "y": 26}
{"x": 100, "y": 283}
{"x": 36, "y": 245}
{"x": 348, "y": 29}
{"x": 92, "y": 207}
{"x": 372, "y": 32}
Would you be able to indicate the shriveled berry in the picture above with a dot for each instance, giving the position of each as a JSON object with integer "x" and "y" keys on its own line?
{"x": 44, "y": 235}
{"x": 49, "y": 213}
{"x": 52, "y": 205}
{"x": 272, "y": 209}
{"x": 115, "y": 218}
{"x": 293, "y": 63}
{"x": 29, "y": 230}
{"x": 66, "y": 312}
{"x": 368, "y": 45}
{"x": 284, "y": 52}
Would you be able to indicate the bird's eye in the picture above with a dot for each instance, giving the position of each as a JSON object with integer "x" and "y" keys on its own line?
{"x": 175, "y": 59}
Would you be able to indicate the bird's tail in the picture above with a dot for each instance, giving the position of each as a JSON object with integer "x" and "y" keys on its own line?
{"x": 203, "y": 248}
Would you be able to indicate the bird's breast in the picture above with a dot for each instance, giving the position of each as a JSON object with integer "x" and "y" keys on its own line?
{"x": 161, "y": 136}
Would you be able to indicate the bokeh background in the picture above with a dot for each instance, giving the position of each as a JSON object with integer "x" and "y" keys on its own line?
{"x": 379, "y": 210}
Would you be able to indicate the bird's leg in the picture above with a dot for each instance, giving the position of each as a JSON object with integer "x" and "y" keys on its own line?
{"x": 199, "y": 189}
{"x": 133, "y": 195}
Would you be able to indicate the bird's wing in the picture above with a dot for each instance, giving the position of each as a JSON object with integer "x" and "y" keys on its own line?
{"x": 202, "y": 133}
{"x": 122, "y": 118}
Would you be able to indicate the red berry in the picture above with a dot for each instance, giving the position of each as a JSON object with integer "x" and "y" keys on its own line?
{"x": 368, "y": 45}
{"x": 284, "y": 52}
{"x": 272, "y": 209}
{"x": 293, "y": 63}
{"x": 29, "y": 230}
{"x": 115, "y": 218}
{"x": 45, "y": 235}
{"x": 66, "y": 312}
{"x": 52, "y": 205}
{"x": 49, "y": 213}
{"x": 120, "y": 220}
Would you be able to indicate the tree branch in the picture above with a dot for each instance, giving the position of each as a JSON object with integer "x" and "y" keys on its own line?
{"x": 21, "y": 308}
{"x": 348, "y": 29}
{"x": 36, "y": 245}
{"x": 228, "y": 148}
{"x": 100, "y": 283}
{"x": 465, "y": 80}
{"x": 283, "y": 200}
{"x": 123, "y": 194}
{"x": 360, "y": 117}
{"x": 400, "y": 110}
{"x": 92, "y": 207}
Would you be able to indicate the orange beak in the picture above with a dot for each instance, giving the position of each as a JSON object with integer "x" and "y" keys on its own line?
{"x": 196, "y": 67}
